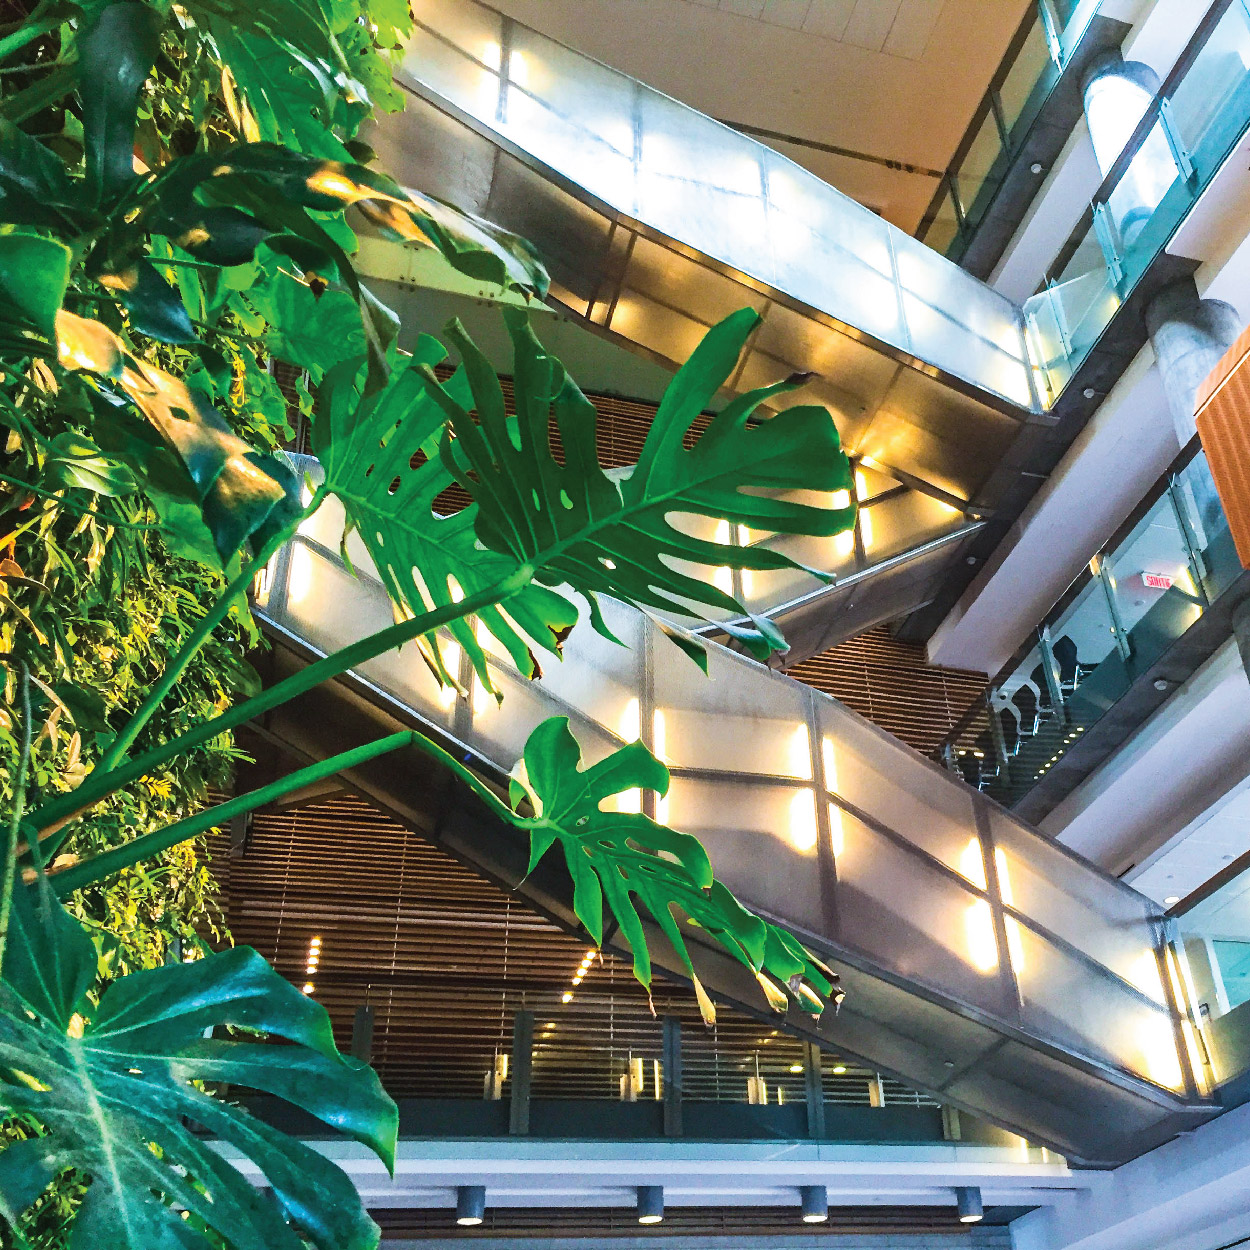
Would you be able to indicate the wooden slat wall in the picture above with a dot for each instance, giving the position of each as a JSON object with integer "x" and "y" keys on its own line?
{"x": 893, "y": 685}
{"x": 1222, "y": 409}
{"x": 762, "y": 1225}
{"x": 447, "y": 958}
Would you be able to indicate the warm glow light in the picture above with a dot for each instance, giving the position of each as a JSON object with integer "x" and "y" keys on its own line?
{"x": 865, "y": 517}
{"x": 491, "y": 55}
{"x": 309, "y": 987}
{"x": 1144, "y": 974}
{"x": 839, "y": 1069}
{"x": 518, "y": 70}
{"x": 979, "y": 927}
{"x": 803, "y": 829}
{"x": 630, "y": 726}
{"x": 840, "y": 499}
{"x": 650, "y": 1219}
{"x": 800, "y": 753}
{"x": 661, "y": 809}
{"x": 451, "y": 662}
{"x": 299, "y": 575}
{"x": 1157, "y": 1044}
{"x": 659, "y": 736}
{"x": 566, "y": 997}
{"x": 796, "y": 1067}
{"x": 844, "y": 544}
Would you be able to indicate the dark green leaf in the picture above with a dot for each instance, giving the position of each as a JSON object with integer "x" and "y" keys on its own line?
{"x": 111, "y": 1086}
{"x": 155, "y": 307}
{"x": 243, "y": 494}
{"x": 35, "y": 189}
{"x": 34, "y": 272}
{"x": 75, "y": 461}
{"x": 115, "y": 54}
{"x": 620, "y": 856}
{"x": 614, "y": 535}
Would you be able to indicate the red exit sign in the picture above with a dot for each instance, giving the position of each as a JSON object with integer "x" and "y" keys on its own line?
{"x": 1157, "y": 581}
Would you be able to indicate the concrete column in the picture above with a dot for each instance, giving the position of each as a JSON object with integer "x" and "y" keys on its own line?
{"x": 1189, "y": 336}
{"x": 1117, "y": 93}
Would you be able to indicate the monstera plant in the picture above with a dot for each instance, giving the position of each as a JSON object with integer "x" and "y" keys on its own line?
{"x": 159, "y": 249}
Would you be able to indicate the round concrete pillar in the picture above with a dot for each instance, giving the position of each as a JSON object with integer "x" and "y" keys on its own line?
{"x": 1189, "y": 336}
{"x": 1117, "y": 93}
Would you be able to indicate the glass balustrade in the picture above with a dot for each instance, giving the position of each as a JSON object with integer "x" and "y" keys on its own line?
{"x": 689, "y": 178}
{"x": 1187, "y": 133}
{"x": 1146, "y": 589}
{"x": 808, "y": 812}
{"x": 1001, "y": 123}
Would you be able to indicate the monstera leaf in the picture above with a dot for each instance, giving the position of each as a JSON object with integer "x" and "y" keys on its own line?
{"x": 616, "y": 535}
{"x": 617, "y": 857}
{"x": 110, "y": 1085}
{"x": 244, "y": 495}
{"x": 371, "y": 452}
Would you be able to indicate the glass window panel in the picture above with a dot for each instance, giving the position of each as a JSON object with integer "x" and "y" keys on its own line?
{"x": 1142, "y": 186}
{"x": 762, "y": 839}
{"x": 976, "y": 177}
{"x": 905, "y": 521}
{"x": 1065, "y": 999}
{"x": 1084, "y": 297}
{"x": 739, "y": 718}
{"x": 329, "y": 609}
{"x": 1151, "y": 579}
{"x": 943, "y": 230}
{"x": 1092, "y": 672}
{"x": 1098, "y": 916}
{"x": 1218, "y": 71}
{"x": 1032, "y": 63}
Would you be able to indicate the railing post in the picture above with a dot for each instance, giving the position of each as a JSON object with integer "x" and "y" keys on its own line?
{"x": 814, "y": 1091}
{"x": 672, "y": 1076}
{"x": 362, "y": 1034}
{"x": 522, "y": 1069}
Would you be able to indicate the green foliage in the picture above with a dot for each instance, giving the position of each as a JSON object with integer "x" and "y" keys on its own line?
{"x": 617, "y": 856}
{"x": 176, "y": 227}
{"x": 611, "y": 535}
{"x": 112, "y": 1083}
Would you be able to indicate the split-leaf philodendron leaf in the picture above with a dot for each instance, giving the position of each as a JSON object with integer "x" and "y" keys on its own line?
{"x": 109, "y": 1084}
{"x": 619, "y": 856}
{"x": 615, "y": 534}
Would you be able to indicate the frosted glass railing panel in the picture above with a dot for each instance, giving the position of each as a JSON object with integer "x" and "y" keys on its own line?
{"x": 917, "y": 920}
{"x": 916, "y": 801}
{"x": 1066, "y": 999}
{"x": 499, "y": 731}
{"x": 1219, "y": 69}
{"x": 1099, "y": 917}
{"x": 905, "y": 521}
{"x": 762, "y": 839}
{"x": 724, "y": 722}
{"x": 716, "y": 191}
{"x": 961, "y": 324}
{"x": 330, "y": 609}
{"x": 599, "y": 678}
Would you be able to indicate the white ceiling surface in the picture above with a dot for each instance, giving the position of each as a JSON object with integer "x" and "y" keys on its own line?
{"x": 896, "y": 79}
{"x": 1217, "y": 838}
{"x": 1137, "y": 816}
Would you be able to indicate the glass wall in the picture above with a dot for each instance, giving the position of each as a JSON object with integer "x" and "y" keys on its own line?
{"x": 1197, "y": 122}
{"x": 1002, "y": 122}
{"x": 1140, "y": 594}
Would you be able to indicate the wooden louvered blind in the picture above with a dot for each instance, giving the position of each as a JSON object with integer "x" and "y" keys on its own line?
{"x": 893, "y": 685}
{"x": 1222, "y": 409}
{"x": 446, "y": 959}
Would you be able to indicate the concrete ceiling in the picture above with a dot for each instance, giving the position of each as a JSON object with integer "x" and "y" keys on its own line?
{"x": 893, "y": 80}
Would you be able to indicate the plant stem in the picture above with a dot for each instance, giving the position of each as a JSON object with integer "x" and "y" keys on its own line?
{"x": 9, "y": 877}
{"x": 199, "y": 636}
{"x": 99, "y": 783}
{"x": 110, "y": 862}
{"x": 45, "y": 18}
